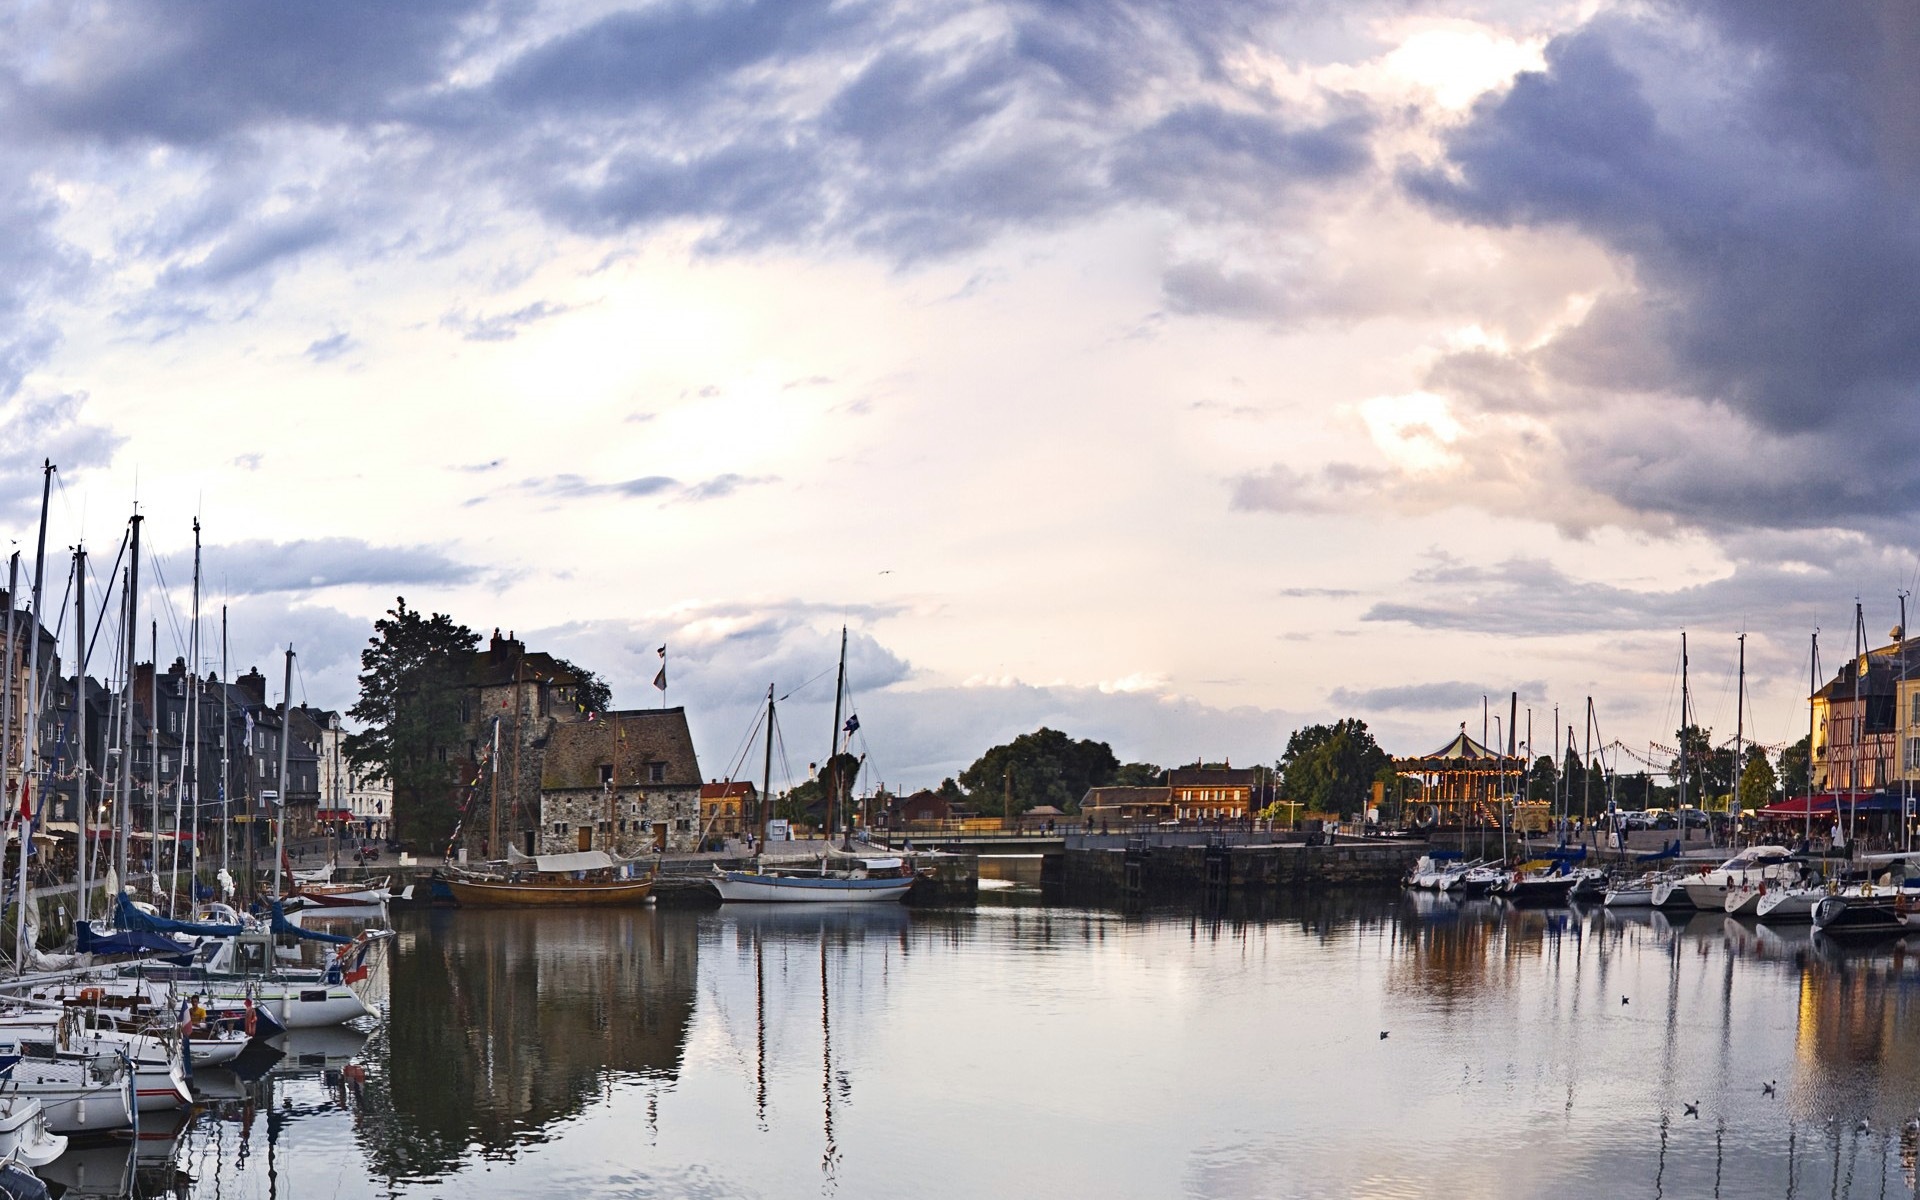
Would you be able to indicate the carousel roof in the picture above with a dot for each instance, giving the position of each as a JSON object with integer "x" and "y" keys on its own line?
{"x": 1461, "y": 749}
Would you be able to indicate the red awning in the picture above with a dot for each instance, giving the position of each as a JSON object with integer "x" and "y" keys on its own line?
{"x": 1825, "y": 802}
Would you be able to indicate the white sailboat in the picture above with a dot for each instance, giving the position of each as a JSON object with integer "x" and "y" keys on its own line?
{"x": 832, "y": 878}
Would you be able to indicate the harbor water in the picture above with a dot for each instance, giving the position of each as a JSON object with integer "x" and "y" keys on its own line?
{"x": 1362, "y": 1045}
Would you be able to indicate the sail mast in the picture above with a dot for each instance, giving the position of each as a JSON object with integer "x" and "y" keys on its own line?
{"x": 81, "y": 869}
{"x": 129, "y": 626}
{"x": 30, "y": 753}
{"x": 192, "y": 753}
{"x": 1859, "y": 722}
{"x": 286, "y": 732}
{"x": 764, "y": 805}
{"x": 1739, "y": 736}
{"x": 153, "y": 751}
{"x": 1813, "y": 677}
{"x": 1684, "y": 726}
{"x": 6, "y": 704}
{"x": 833, "y": 753}
{"x": 226, "y": 774}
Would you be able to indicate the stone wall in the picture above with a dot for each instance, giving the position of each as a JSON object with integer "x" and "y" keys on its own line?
{"x": 1183, "y": 872}
{"x": 634, "y": 829}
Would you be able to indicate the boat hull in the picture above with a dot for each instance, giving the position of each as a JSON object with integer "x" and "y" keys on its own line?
{"x": 1744, "y": 902}
{"x": 482, "y": 893}
{"x": 24, "y": 1135}
{"x": 1859, "y": 916}
{"x": 1784, "y": 906}
{"x": 746, "y": 886}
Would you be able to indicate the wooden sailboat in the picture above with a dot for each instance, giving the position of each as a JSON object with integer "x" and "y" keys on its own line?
{"x": 860, "y": 879}
{"x": 585, "y": 878}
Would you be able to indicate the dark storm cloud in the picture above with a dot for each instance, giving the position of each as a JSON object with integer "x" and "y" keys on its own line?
{"x": 905, "y": 131}
{"x": 1758, "y": 170}
{"x": 257, "y": 566}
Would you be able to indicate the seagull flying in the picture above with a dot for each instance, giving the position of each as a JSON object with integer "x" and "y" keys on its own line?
{"x": 1693, "y": 1110}
{"x": 1766, "y": 1089}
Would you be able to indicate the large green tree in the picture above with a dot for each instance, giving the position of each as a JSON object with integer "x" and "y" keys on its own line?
{"x": 1543, "y": 779}
{"x": 1042, "y": 767}
{"x": 1709, "y": 771}
{"x": 411, "y": 675}
{"x": 1331, "y": 768}
{"x": 1757, "y": 782}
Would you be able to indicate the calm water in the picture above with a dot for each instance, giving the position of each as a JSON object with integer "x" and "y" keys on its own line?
{"x": 1022, "y": 1050}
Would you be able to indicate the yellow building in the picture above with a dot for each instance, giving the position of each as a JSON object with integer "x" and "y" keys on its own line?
{"x": 1210, "y": 793}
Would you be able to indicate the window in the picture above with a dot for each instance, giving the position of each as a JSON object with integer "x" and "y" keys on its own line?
{"x": 166, "y": 763}
{"x": 656, "y": 772}
{"x": 685, "y": 825}
{"x": 1916, "y": 709}
{"x": 1913, "y": 753}
{"x": 606, "y": 774}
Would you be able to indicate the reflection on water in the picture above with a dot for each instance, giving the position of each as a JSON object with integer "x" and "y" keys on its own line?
{"x": 1355, "y": 1045}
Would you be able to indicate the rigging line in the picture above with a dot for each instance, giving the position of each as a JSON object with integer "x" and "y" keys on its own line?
{"x": 106, "y": 607}
{"x": 809, "y": 683}
{"x": 166, "y": 602}
{"x": 746, "y": 747}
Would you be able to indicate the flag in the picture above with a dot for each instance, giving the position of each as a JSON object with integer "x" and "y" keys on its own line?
{"x": 592, "y": 715}
{"x": 853, "y": 723}
{"x": 662, "y": 651}
{"x": 660, "y": 680}
{"x": 26, "y": 807}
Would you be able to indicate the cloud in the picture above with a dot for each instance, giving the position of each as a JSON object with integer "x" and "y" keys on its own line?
{"x": 37, "y": 429}
{"x": 721, "y": 486}
{"x": 1531, "y": 597}
{"x": 1752, "y": 168}
{"x": 258, "y": 566}
{"x": 327, "y": 349}
{"x": 1333, "y": 488}
{"x": 1431, "y": 697}
{"x": 721, "y": 657}
{"x": 502, "y": 327}
{"x": 579, "y": 487}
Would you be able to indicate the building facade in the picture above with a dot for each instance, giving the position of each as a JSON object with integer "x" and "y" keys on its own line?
{"x": 625, "y": 782}
{"x": 1210, "y": 793}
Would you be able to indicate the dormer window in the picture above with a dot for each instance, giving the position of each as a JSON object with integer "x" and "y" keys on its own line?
{"x": 606, "y": 774}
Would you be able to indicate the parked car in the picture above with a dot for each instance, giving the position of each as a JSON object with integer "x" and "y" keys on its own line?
{"x": 1693, "y": 818}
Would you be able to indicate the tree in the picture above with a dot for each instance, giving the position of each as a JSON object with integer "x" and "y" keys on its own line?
{"x": 1756, "y": 782}
{"x": 808, "y": 801}
{"x": 1709, "y": 771}
{"x": 1793, "y": 768}
{"x": 593, "y": 694}
{"x": 1042, "y": 767}
{"x": 1140, "y": 774}
{"x": 1331, "y": 768}
{"x": 1543, "y": 779}
{"x": 411, "y": 675}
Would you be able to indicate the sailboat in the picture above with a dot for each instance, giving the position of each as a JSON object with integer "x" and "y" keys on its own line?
{"x": 856, "y": 879}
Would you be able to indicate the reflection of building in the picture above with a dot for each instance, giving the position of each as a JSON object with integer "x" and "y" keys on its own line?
{"x": 1460, "y": 782}
{"x": 501, "y": 1027}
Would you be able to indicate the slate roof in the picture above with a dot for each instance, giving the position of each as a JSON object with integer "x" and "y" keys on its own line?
{"x": 628, "y": 740}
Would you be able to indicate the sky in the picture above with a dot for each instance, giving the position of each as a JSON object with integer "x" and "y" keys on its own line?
{"x": 1175, "y": 373}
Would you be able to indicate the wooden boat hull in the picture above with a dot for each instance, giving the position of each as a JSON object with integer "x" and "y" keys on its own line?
{"x": 485, "y": 893}
{"x": 799, "y": 889}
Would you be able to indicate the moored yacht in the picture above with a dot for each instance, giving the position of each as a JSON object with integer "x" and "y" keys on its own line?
{"x": 1750, "y": 867}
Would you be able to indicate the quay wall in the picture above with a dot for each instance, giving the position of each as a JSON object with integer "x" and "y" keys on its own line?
{"x": 1186, "y": 872}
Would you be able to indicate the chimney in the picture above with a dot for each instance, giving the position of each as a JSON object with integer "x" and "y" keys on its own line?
{"x": 253, "y": 684}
